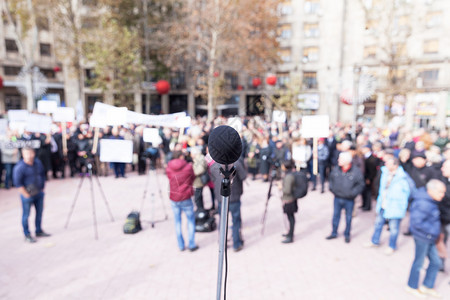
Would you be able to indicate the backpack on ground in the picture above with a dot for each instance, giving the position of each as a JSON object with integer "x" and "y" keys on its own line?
{"x": 204, "y": 222}
{"x": 133, "y": 223}
{"x": 300, "y": 185}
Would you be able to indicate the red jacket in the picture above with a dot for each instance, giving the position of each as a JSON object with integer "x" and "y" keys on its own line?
{"x": 181, "y": 177}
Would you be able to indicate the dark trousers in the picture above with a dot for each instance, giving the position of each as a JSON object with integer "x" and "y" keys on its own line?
{"x": 291, "y": 219}
{"x": 339, "y": 204}
{"x": 367, "y": 197}
{"x": 119, "y": 169}
{"x": 198, "y": 198}
{"x": 142, "y": 161}
{"x": 235, "y": 210}
{"x": 38, "y": 202}
{"x": 321, "y": 168}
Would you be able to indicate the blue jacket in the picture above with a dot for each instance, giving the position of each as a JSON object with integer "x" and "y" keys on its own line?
{"x": 24, "y": 175}
{"x": 425, "y": 217}
{"x": 397, "y": 194}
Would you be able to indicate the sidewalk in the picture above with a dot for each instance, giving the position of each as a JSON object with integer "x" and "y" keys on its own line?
{"x": 71, "y": 264}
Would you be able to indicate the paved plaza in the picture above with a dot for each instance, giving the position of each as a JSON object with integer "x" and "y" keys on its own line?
{"x": 71, "y": 264}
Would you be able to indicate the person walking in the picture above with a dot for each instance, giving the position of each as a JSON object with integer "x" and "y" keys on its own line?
{"x": 29, "y": 177}
{"x": 181, "y": 177}
{"x": 392, "y": 202}
{"x": 425, "y": 227}
{"x": 346, "y": 182}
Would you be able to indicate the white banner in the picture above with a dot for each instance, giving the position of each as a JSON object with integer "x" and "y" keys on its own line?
{"x": 64, "y": 114}
{"x": 151, "y": 135}
{"x": 116, "y": 116}
{"x": 279, "y": 116}
{"x": 3, "y": 126}
{"x": 17, "y": 115}
{"x": 315, "y": 126}
{"x": 104, "y": 114}
{"x": 46, "y": 106}
{"x": 39, "y": 123}
{"x": 116, "y": 150}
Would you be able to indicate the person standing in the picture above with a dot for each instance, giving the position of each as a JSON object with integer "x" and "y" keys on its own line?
{"x": 29, "y": 177}
{"x": 392, "y": 202}
{"x": 425, "y": 227}
{"x": 200, "y": 169}
{"x": 370, "y": 172}
{"x": 119, "y": 167}
{"x": 181, "y": 177}
{"x": 444, "y": 208}
{"x": 346, "y": 182}
{"x": 9, "y": 157}
{"x": 237, "y": 190}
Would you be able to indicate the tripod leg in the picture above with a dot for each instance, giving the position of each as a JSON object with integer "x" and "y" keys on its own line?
{"x": 145, "y": 190}
{"x": 93, "y": 208}
{"x": 74, "y": 201}
{"x": 104, "y": 198}
{"x": 263, "y": 220}
{"x": 161, "y": 195}
{"x": 152, "y": 220}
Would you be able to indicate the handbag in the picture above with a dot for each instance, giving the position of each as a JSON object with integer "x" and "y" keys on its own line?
{"x": 205, "y": 178}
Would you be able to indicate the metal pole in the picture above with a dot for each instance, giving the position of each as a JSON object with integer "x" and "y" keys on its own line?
{"x": 222, "y": 242}
{"x": 356, "y": 71}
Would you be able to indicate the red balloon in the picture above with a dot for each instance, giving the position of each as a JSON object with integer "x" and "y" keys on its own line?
{"x": 346, "y": 97}
{"x": 56, "y": 69}
{"x": 240, "y": 87}
{"x": 163, "y": 87}
{"x": 1, "y": 82}
{"x": 271, "y": 80}
{"x": 256, "y": 81}
{"x": 216, "y": 74}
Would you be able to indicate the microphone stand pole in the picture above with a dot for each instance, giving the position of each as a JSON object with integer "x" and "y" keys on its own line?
{"x": 225, "y": 191}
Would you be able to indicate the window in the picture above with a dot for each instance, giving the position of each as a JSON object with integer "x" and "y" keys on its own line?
{"x": 283, "y": 79}
{"x": 48, "y": 73}
{"x": 45, "y": 49}
{"x": 310, "y": 80}
{"x": 11, "y": 71}
{"x": 401, "y": 22}
{"x": 13, "y": 101}
{"x": 312, "y": 6}
{"x": 371, "y": 25}
{"x": 398, "y": 76}
{"x": 285, "y": 54}
{"x": 285, "y": 8}
{"x": 433, "y": 19}
{"x": 370, "y": 52}
{"x": 311, "y": 29}
{"x": 285, "y": 31}
{"x": 11, "y": 45}
{"x": 310, "y": 54}
{"x": 429, "y": 77}
{"x": 89, "y": 23}
{"x": 431, "y": 47}
{"x": 178, "y": 80}
{"x": 399, "y": 50}
{"x": 231, "y": 80}
{"x": 42, "y": 23}
{"x": 89, "y": 77}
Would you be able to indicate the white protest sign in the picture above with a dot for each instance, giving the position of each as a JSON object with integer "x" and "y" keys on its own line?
{"x": 64, "y": 114}
{"x": 39, "y": 123}
{"x": 151, "y": 135}
{"x": 183, "y": 122}
{"x": 19, "y": 126}
{"x": 17, "y": 115}
{"x": 3, "y": 126}
{"x": 315, "y": 126}
{"x": 97, "y": 121}
{"x": 46, "y": 106}
{"x": 116, "y": 116}
{"x": 236, "y": 123}
{"x": 116, "y": 150}
{"x": 279, "y": 116}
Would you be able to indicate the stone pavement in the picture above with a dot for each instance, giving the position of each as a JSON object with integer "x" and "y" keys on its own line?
{"x": 71, "y": 264}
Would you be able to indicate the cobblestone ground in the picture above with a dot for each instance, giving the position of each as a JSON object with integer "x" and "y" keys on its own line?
{"x": 71, "y": 264}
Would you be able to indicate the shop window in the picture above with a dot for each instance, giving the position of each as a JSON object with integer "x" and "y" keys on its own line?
{"x": 11, "y": 45}
{"x": 45, "y": 49}
{"x": 310, "y": 80}
{"x": 310, "y": 54}
{"x": 311, "y": 29}
{"x": 431, "y": 47}
{"x": 11, "y": 71}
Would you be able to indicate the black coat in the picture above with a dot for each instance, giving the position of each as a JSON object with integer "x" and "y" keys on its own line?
{"x": 444, "y": 205}
{"x": 237, "y": 187}
{"x": 371, "y": 167}
{"x": 346, "y": 185}
{"x": 423, "y": 175}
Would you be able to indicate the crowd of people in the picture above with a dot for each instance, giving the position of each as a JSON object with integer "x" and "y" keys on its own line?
{"x": 398, "y": 170}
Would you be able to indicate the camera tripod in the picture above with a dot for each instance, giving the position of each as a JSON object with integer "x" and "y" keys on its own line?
{"x": 152, "y": 173}
{"x": 273, "y": 175}
{"x": 89, "y": 175}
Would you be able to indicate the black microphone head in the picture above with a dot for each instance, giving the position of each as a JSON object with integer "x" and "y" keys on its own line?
{"x": 224, "y": 144}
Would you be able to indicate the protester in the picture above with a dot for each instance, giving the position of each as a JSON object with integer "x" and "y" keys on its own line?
{"x": 181, "y": 177}
{"x": 371, "y": 164}
{"x": 425, "y": 228}
{"x": 200, "y": 170}
{"x": 29, "y": 177}
{"x": 346, "y": 182}
{"x": 289, "y": 201}
{"x": 444, "y": 208}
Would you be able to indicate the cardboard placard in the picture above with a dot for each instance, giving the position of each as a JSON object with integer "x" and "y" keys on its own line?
{"x": 3, "y": 126}
{"x": 116, "y": 150}
{"x": 46, "y": 106}
{"x": 39, "y": 123}
{"x": 17, "y": 115}
{"x": 315, "y": 126}
{"x": 279, "y": 116}
{"x": 151, "y": 135}
{"x": 64, "y": 114}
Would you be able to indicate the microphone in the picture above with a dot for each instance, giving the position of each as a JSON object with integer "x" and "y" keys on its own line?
{"x": 224, "y": 144}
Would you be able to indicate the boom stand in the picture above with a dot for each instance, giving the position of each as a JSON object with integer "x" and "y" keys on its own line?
{"x": 269, "y": 194}
{"x": 225, "y": 191}
{"x": 89, "y": 175}
{"x": 152, "y": 171}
